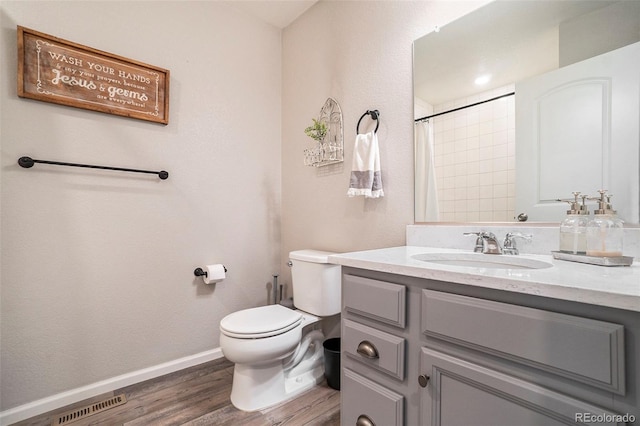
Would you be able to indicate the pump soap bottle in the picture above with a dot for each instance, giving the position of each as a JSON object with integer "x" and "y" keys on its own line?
{"x": 605, "y": 231}
{"x": 573, "y": 229}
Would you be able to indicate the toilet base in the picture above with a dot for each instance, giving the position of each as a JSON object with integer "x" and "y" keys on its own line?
{"x": 256, "y": 387}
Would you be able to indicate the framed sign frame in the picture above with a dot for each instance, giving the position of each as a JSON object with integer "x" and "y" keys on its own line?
{"x": 54, "y": 70}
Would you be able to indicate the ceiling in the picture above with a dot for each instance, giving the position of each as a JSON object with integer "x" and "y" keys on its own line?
{"x": 511, "y": 40}
{"x": 275, "y": 12}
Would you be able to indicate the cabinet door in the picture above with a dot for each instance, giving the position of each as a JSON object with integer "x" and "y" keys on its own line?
{"x": 462, "y": 393}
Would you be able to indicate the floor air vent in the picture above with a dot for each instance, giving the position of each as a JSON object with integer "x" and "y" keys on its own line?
{"x": 89, "y": 410}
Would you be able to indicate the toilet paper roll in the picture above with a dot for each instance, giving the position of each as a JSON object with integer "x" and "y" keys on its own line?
{"x": 215, "y": 273}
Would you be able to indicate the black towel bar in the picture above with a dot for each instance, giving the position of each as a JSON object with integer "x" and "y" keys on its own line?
{"x": 375, "y": 114}
{"x": 28, "y": 162}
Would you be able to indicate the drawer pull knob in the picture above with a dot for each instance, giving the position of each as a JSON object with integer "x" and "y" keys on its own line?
{"x": 364, "y": 420}
{"x": 423, "y": 380}
{"x": 367, "y": 350}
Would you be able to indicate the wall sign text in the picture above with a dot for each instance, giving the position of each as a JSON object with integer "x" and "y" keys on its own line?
{"x": 54, "y": 70}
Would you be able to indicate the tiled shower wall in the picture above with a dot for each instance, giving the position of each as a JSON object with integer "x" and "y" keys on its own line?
{"x": 475, "y": 158}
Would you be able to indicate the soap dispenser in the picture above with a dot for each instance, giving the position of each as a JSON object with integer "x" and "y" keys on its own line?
{"x": 605, "y": 231}
{"x": 573, "y": 229}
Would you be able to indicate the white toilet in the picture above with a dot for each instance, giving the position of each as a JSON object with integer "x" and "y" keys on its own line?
{"x": 278, "y": 351}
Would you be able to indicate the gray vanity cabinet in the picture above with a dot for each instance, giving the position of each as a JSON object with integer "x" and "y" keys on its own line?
{"x": 424, "y": 352}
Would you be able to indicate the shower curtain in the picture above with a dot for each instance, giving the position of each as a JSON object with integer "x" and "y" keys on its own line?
{"x": 426, "y": 204}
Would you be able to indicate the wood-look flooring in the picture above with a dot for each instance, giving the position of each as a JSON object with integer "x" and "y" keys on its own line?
{"x": 199, "y": 396}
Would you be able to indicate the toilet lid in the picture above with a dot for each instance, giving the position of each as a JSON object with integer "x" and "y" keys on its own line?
{"x": 264, "y": 321}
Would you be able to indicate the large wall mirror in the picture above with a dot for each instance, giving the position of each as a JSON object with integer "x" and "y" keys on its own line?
{"x": 520, "y": 103}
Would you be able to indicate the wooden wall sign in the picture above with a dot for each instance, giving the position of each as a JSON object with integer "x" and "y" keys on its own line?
{"x": 54, "y": 70}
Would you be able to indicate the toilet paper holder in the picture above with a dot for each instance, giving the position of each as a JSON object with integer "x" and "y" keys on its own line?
{"x": 199, "y": 272}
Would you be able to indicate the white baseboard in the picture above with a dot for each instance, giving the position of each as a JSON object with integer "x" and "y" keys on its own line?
{"x": 54, "y": 402}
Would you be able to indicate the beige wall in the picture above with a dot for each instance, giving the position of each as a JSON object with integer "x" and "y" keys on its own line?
{"x": 359, "y": 53}
{"x": 96, "y": 274}
{"x": 97, "y": 267}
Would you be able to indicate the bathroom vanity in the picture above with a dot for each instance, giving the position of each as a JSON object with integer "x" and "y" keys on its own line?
{"x": 428, "y": 343}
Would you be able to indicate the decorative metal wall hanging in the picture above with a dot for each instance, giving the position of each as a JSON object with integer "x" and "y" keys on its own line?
{"x": 329, "y": 148}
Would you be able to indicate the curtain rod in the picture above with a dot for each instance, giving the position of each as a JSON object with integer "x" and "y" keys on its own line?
{"x": 463, "y": 107}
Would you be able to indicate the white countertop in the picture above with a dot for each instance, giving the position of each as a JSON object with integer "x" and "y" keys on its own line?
{"x": 616, "y": 287}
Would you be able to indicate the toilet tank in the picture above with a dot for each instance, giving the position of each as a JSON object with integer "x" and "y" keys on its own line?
{"x": 316, "y": 282}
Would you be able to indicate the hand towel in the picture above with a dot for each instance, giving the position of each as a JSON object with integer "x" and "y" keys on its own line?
{"x": 365, "y": 170}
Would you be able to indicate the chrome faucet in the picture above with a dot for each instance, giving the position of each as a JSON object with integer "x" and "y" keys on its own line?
{"x": 479, "y": 244}
{"x": 509, "y": 244}
{"x": 486, "y": 242}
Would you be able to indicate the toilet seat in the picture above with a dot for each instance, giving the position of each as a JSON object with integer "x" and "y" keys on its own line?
{"x": 261, "y": 322}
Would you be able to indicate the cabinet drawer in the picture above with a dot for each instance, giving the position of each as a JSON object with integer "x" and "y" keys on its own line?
{"x": 380, "y": 405}
{"x": 375, "y": 348}
{"x": 378, "y": 300}
{"x": 582, "y": 349}
{"x": 463, "y": 393}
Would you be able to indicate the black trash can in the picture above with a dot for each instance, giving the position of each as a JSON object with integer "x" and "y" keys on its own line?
{"x": 332, "y": 362}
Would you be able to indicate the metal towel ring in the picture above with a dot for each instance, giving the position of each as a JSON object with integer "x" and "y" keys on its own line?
{"x": 374, "y": 116}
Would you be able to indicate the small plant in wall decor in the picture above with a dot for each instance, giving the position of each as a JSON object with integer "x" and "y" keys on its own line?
{"x": 327, "y": 133}
{"x": 317, "y": 131}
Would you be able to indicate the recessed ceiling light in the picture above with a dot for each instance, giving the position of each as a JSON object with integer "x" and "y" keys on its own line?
{"x": 483, "y": 79}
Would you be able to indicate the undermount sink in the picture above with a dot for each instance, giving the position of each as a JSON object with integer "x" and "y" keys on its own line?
{"x": 479, "y": 260}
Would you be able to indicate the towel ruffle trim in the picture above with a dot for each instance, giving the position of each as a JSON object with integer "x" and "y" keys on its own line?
{"x": 354, "y": 192}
